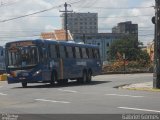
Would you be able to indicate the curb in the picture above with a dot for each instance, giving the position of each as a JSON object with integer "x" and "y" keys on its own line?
{"x": 143, "y": 89}
{"x": 136, "y": 72}
{"x": 147, "y": 86}
{"x": 2, "y": 82}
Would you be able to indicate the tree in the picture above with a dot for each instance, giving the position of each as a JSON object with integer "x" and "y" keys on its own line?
{"x": 129, "y": 47}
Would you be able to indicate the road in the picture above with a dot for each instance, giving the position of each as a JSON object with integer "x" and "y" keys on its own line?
{"x": 98, "y": 97}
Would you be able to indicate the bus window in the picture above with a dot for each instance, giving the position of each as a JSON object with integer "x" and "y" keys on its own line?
{"x": 57, "y": 49}
{"x": 44, "y": 54}
{"x": 90, "y": 53}
{"x": 2, "y": 53}
{"x": 96, "y": 53}
{"x": 74, "y": 52}
{"x": 12, "y": 58}
{"x": 23, "y": 56}
{"x": 33, "y": 55}
{"x": 63, "y": 53}
{"x": 87, "y": 52}
{"x": 84, "y": 53}
{"x": 53, "y": 51}
{"x": 69, "y": 51}
{"x": 77, "y": 51}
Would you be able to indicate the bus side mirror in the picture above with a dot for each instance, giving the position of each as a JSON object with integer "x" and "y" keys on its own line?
{"x": 153, "y": 20}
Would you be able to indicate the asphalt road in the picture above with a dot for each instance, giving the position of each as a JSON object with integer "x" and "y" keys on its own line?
{"x": 98, "y": 97}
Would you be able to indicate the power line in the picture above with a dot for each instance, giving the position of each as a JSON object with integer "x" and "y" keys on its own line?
{"x": 19, "y": 37}
{"x": 34, "y": 35}
{"x": 8, "y": 4}
{"x": 28, "y": 14}
{"x": 42, "y": 30}
{"x": 118, "y": 8}
{"x": 45, "y": 10}
{"x": 101, "y": 17}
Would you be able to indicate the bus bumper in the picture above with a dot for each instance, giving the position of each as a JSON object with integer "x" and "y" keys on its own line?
{"x": 12, "y": 80}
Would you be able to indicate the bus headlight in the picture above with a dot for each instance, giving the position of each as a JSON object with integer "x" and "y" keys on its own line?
{"x": 13, "y": 74}
{"x": 37, "y": 73}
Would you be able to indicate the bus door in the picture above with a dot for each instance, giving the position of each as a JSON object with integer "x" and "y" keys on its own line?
{"x": 46, "y": 72}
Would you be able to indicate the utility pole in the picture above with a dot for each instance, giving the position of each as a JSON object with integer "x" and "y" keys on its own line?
{"x": 124, "y": 62}
{"x": 156, "y": 21}
{"x": 66, "y": 20}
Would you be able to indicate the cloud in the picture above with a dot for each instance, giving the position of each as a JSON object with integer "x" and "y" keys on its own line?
{"x": 33, "y": 25}
{"x": 28, "y": 26}
{"x": 110, "y": 17}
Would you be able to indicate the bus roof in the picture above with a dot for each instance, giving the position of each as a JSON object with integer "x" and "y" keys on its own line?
{"x": 67, "y": 43}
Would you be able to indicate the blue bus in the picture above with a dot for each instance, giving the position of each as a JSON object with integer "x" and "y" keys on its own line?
{"x": 49, "y": 61}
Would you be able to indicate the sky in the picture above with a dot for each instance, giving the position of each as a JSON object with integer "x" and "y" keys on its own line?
{"x": 110, "y": 12}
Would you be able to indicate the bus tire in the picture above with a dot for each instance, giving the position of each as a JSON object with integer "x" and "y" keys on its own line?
{"x": 63, "y": 81}
{"x": 89, "y": 77}
{"x": 79, "y": 80}
{"x": 53, "y": 79}
{"x": 24, "y": 84}
{"x": 84, "y": 77}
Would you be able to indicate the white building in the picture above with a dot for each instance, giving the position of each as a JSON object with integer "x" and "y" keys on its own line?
{"x": 104, "y": 40}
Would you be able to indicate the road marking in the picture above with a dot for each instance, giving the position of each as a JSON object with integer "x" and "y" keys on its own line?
{"x": 54, "y": 101}
{"x": 72, "y": 91}
{"x": 2, "y": 94}
{"x": 124, "y": 95}
{"x": 138, "y": 109}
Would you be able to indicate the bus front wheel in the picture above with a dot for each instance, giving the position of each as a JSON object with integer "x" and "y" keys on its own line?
{"x": 24, "y": 84}
{"x": 89, "y": 77}
{"x": 84, "y": 78}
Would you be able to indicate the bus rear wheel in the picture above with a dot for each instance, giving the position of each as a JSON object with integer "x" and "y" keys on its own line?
{"x": 63, "y": 81}
{"x": 53, "y": 79}
{"x": 24, "y": 84}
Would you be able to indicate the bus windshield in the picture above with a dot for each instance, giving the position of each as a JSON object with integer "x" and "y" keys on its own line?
{"x": 22, "y": 56}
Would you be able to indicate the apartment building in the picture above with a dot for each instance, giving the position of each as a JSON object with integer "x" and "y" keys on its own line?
{"x": 83, "y": 23}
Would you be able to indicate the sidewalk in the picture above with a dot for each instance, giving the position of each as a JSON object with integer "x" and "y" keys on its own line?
{"x": 147, "y": 86}
{"x": 2, "y": 82}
